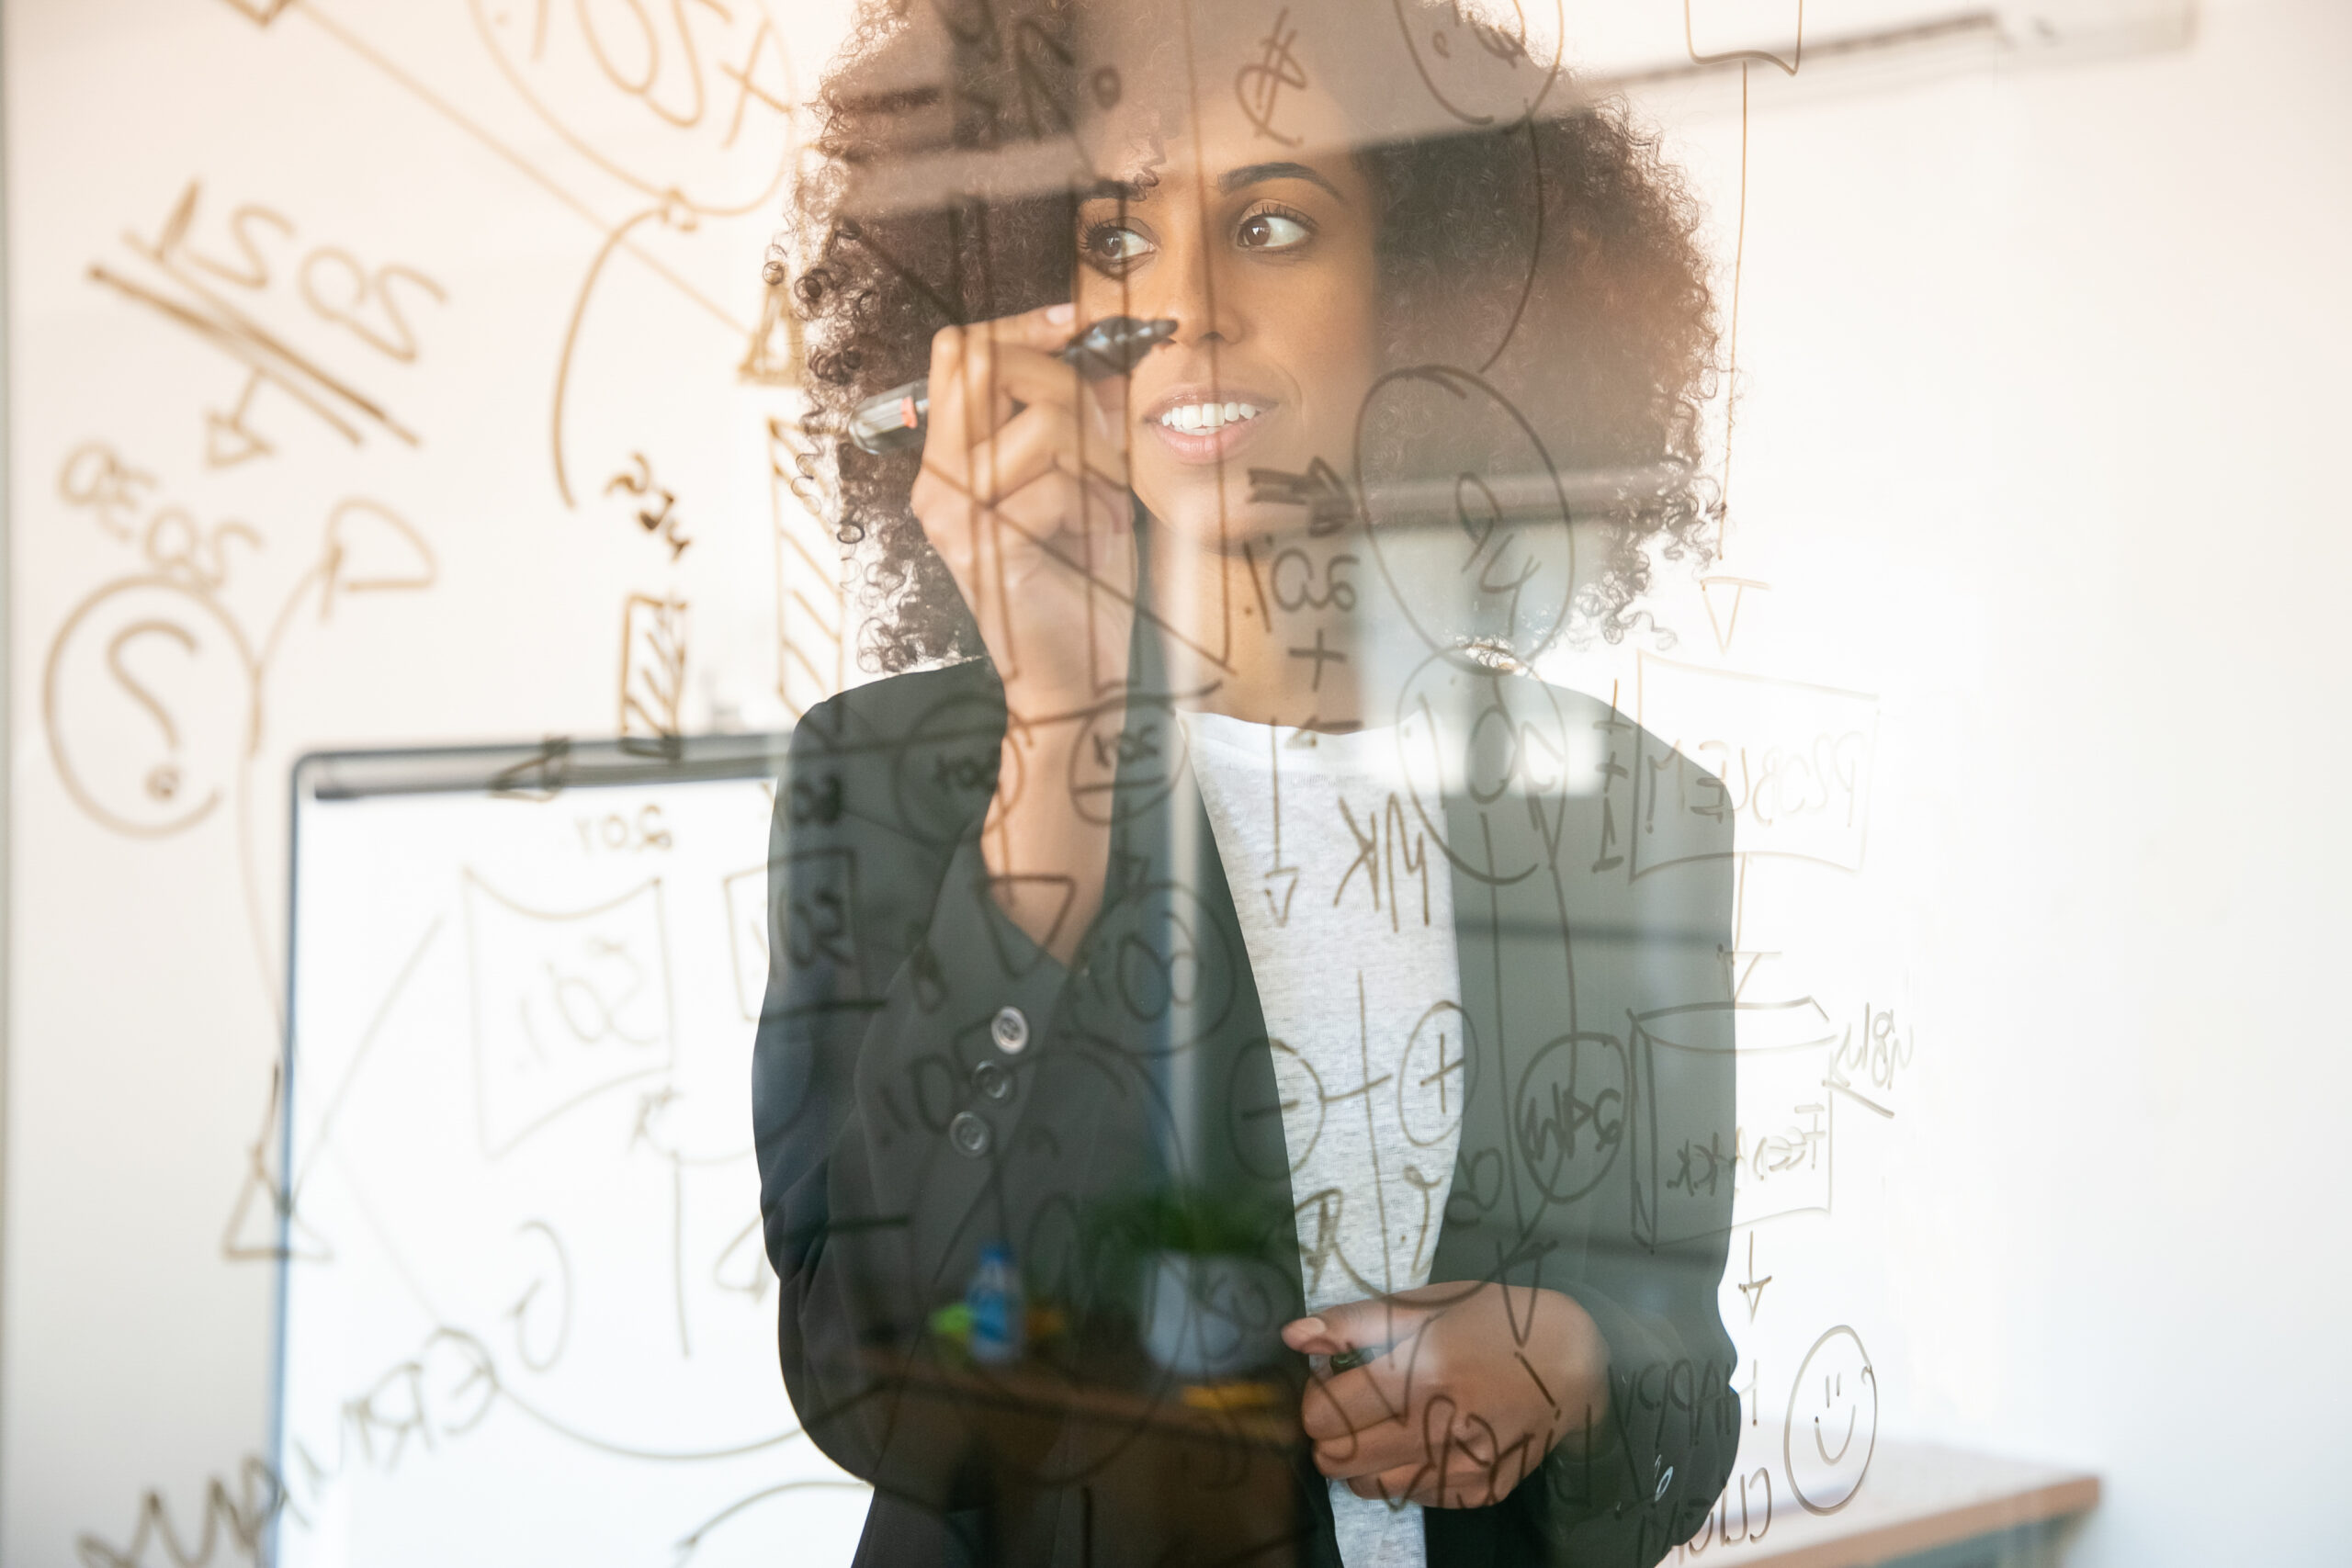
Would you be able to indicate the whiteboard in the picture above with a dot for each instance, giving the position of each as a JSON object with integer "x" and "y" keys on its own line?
{"x": 527, "y": 1313}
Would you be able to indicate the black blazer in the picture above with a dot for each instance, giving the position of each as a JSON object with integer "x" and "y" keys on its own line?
{"x": 896, "y": 1136}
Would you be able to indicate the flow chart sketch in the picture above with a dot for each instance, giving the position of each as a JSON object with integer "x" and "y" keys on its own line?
{"x": 528, "y": 1318}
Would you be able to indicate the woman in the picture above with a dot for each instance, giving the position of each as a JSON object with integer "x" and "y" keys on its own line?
{"x": 1228, "y": 889}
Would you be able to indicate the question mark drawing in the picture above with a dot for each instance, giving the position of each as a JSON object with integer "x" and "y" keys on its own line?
{"x": 104, "y": 660}
{"x": 164, "y": 779}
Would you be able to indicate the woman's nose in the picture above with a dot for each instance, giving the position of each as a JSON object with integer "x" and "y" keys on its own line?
{"x": 1200, "y": 321}
{"x": 1199, "y": 300}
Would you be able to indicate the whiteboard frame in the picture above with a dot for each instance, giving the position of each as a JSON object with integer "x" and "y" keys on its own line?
{"x": 540, "y": 771}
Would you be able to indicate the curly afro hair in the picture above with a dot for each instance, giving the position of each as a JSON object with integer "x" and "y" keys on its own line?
{"x": 1554, "y": 253}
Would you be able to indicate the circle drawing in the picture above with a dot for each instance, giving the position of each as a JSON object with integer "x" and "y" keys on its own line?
{"x": 1832, "y": 1426}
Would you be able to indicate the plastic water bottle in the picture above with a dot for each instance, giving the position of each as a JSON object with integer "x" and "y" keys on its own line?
{"x": 1000, "y": 1317}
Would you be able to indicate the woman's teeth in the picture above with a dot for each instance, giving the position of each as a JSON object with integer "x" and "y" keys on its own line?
{"x": 1207, "y": 416}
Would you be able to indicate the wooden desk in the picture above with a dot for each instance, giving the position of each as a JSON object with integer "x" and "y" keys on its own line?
{"x": 1915, "y": 1501}
{"x": 1914, "y": 1498}
{"x": 1154, "y": 1477}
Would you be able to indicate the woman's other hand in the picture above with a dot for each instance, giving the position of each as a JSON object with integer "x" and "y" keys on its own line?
{"x": 1470, "y": 1386}
{"x": 1023, "y": 494}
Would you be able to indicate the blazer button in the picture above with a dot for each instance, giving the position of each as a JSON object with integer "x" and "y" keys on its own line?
{"x": 1010, "y": 1030}
{"x": 992, "y": 1082}
{"x": 969, "y": 1134}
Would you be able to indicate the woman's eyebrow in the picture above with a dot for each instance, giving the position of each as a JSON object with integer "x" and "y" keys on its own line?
{"x": 1128, "y": 191}
{"x": 1256, "y": 174}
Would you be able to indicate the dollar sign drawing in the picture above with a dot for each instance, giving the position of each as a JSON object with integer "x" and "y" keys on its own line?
{"x": 1259, "y": 85}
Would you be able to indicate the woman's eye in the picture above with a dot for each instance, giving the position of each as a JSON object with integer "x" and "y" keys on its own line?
{"x": 1110, "y": 244}
{"x": 1271, "y": 231}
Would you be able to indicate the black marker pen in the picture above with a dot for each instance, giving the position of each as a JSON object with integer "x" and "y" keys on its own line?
{"x": 890, "y": 421}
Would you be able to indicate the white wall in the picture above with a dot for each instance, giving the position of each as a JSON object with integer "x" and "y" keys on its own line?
{"x": 2042, "y": 406}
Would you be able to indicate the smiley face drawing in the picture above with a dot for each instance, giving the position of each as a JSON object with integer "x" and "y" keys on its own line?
{"x": 1832, "y": 1426}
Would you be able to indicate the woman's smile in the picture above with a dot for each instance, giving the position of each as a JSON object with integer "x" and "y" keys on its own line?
{"x": 1209, "y": 422}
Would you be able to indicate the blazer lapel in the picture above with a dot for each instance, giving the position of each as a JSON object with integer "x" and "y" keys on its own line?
{"x": 1505, "y": 815}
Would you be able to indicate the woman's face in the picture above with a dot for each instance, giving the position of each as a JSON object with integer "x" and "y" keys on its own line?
{"x": 1259, "y": 245}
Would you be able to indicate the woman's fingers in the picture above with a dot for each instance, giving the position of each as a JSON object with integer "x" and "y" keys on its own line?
{"x": 1038, "y": 439}
{"x": 1464, "y": 1466}
{"x": 1057, "y": 530}
{"x": 1461, "y": 1486}
{"x": 1377, "y": 1324}
{"x": 1000, "y": 370}
{"x": 1048, "y": 327}
{"x": 1374, "y": 1451}
{"x": 1455, "y": 1413}
{"x": 1023, "y": 490}
{"x": 1379, "y": 1390}
{"x": 978, "y": 372}
{"x": 1452, "y": 1466}
{"x": 1458, "y": 1484}
{"x": 1358, "y": 1426}
{"x": 1040, "y": 532}
{"x": 1434, "y": 1431}
{"x": 1344, "y": 1403}
{"x": 1034, "y": 475}
{"x": 980, "y": 454}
